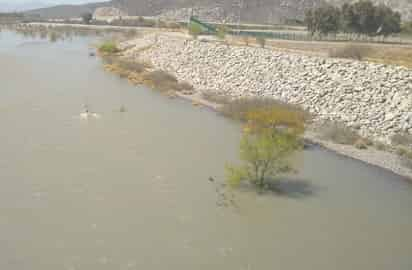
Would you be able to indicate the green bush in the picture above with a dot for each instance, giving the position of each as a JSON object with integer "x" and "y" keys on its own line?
{"x": 406, "y": 28}
{"x": 264, "y": 156}
{"x": 109, "y": 47}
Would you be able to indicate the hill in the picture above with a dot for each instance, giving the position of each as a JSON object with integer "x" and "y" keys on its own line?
{"x": 251, "y": 11}
{"x": 66, "y": 11}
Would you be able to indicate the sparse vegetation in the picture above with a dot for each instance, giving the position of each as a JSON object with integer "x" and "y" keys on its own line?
{"x": 164, "y": 81}
{"x": 239, "y": 109}
{"x": 338, "y": 133}
{"x": 138, "y": 73}
{"x": 246, "y": 40}
{"x": 221, "y": 32}
{"x": 194, "y": 30}
{"x": 380, "y": 146}
{"x": 131, "y": 33}
{"x": 261, "y": 40}
{"x": 108, "y": 47}
{"x": 351, "y": 51}
{"x": 361, "y": 144}
{"x": 402, "y": 139}
{"x": 216, "y": 98}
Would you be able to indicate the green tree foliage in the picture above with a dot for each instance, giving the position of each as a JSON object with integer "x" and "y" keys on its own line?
{"x": 270, "y": 137}
{"x": 87, "y": 17}
{"x": 348, "y": 19}
{"x": 264, "y": 156}
{"x": 362, "y": 18}
{"x": 108, "y": 47}
{"x": 387, "y": 20}
{"x": 365, "y": 20}
{"x": 323, "y": 20}
{"x": 406, "y": 28}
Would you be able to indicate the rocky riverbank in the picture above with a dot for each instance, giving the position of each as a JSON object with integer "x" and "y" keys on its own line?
{"x": 374, "y": 99}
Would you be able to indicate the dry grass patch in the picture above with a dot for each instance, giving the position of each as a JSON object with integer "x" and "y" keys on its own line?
{"x": 402, "y": 139}
{"x": 339, "y": 133}
{"x": 239, "y": 109}
{"x": 351, "y": 51}
{"x": 164, "y": 81}
{"x": 216, "y": 98}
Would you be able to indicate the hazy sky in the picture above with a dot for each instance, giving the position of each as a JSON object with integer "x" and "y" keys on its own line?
{"x": 49, "y": 1}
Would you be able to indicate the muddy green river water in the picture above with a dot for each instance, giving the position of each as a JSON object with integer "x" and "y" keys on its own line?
{"x": 130, "y": 190}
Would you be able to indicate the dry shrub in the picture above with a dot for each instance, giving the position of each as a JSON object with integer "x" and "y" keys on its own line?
{"x": 216, "y": 98}
{"x": 361, "y": 144}
{"x": 261, "y": 41}
{"x": 405, "y": 156}
{"x": 246, "y": 40}
{"x": 131, "y": 33}
{"x": 350, "y": 51}
{"x": 404, "y": 139}
{"x": 163, "y": 81}
{"x": 380, "y": 146}
{"x": 131, "y": 66}
{"x": 338, "y": 133}
{"x": 184, "y": 86}
{"x": 239, "y": 108}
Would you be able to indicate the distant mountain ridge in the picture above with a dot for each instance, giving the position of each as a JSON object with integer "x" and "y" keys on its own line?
{"x": 67, "y": 11}
{"x": 18, "y": 7}
{"x": 250, "y": 11}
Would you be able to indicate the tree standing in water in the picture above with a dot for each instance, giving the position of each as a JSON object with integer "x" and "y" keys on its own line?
{"x": 270, "y": 137}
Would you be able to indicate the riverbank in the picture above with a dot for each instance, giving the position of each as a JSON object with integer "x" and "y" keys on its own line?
{"x": 372, "y": 156}
{"x": 374, "y": 99}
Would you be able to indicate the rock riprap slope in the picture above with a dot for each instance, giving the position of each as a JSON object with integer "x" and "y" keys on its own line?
{"x": 375, "y": 99}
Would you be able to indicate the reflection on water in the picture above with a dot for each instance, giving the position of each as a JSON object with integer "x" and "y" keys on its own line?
{"x": 142, "y": 188}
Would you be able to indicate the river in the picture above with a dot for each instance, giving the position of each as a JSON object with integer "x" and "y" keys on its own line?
{"x": 131, "y": 191}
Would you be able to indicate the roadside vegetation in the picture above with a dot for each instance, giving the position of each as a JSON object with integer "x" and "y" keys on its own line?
{"x": 361, "y": 18}
{"x": 194, "y": 30}
{"x": 352, "y": 51}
